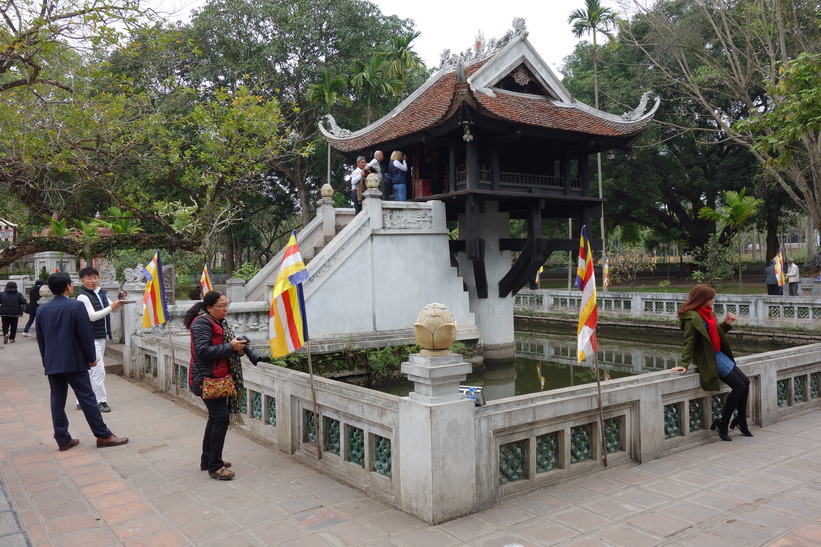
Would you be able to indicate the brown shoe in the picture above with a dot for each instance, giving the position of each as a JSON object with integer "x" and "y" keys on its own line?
{"x": 70, "y": 444}
{"x": 114, "y": 440}
{"x": 221, "y": 474}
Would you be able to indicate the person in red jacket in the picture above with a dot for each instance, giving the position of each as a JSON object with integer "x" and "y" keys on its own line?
{"x": 213, "y": 357}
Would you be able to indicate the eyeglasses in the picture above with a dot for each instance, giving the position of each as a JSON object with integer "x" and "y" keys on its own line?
{"x": 223, "y": 306}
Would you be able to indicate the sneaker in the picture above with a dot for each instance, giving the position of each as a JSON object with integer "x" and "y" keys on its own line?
{"x": 26, "y": 334}
{"x": 12, "y": 340}
{"x": 104, "y": 407}
{"x": 78, "y": 406}
{"x": 221, "y": 474}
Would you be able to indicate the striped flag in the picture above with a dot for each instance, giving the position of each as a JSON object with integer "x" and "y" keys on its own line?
{"x": 288, "y": 325}
{"x": 779, "y": 270}
{"x": 205, "y": 280}
{"x": 589, "y": 314}
{"x": 155, "y": 310}
{"x": 606, "y": 282}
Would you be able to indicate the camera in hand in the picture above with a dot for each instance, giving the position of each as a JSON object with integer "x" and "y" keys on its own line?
{"x": 253, "y": 355}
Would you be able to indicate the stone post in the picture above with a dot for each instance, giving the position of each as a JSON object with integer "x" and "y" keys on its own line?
{"x": 235, "y": 290}
{"x": 327, "y": 211}
{"x": 436, "y": 430}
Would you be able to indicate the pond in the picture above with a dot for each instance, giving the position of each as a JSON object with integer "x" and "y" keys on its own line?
{"x": 547, "y": 360}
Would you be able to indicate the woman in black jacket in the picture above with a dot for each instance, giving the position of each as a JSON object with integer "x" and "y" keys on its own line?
{"x": 34, "y": 299}
{"x": 213, "y": 357}
{"x": 11, "y": 310}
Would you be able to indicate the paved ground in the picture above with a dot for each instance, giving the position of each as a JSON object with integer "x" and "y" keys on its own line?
{"x": 754, "y": 491}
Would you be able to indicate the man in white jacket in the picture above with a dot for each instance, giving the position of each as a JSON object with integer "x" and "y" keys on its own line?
{"x": 792, "y": 277}
{"x": 98, "y": 308}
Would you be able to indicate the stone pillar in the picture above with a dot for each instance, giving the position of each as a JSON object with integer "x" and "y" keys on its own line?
{"x": 112, "y": 287}
{"x": 327, "y": 211}
{"x": 437, "y": 440}
{"x": 235, "y": 290}
{"x": 372, "y": 203}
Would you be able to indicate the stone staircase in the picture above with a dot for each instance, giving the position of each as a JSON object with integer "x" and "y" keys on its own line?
{"x": 114, "y": 358}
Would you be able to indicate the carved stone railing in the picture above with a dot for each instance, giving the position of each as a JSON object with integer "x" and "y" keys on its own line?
{"x": 760, "y": 310}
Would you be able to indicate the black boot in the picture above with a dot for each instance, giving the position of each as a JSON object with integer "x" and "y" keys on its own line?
{"x": 722, "y": 430}
{"x": 741, "y": 424}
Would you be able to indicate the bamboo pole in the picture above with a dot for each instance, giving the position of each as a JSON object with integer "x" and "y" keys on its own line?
{"x": 313, "y": 398}
{"x": 601, "y": 411}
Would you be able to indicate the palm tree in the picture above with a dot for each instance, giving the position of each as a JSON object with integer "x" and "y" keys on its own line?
{"x": 374, "y": 80}
{"x": 591, "y": 20}
{"x": 327, "y": 94}
{"x": 733, "y": 216}
{"x": 401, "y": 58}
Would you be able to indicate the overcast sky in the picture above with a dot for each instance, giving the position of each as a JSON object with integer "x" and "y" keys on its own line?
{"x": 454, "y": 24}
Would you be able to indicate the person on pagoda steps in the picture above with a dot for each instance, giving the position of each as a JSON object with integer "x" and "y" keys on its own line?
{"x": 358, "y": 176}
{"x": 398, "y": 168}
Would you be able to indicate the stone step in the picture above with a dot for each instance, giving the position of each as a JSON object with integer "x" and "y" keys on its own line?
{"x": 114, "y": 358}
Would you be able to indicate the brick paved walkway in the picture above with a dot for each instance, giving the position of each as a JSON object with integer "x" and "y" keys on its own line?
{"x": 754, "y": 491}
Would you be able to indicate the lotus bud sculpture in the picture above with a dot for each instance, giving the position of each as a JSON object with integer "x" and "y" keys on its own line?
{"x": 326, "y": 191}
{"x": 435, "y": 329}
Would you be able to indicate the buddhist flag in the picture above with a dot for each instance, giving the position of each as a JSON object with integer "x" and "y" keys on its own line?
{"x": 155, "y": 311}
{"x": 205, "y": 280}
{"x": 589, "y": 314}
{"x": 538, "y": 276}
{"x": 779, "y": 269}
{"x": 606, "y": 282}
{"x": 288, "y": 325}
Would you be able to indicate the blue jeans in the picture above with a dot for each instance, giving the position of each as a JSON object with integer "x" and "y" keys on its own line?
{"x": 357, "y": 205}
{"x": 401, "y": 191}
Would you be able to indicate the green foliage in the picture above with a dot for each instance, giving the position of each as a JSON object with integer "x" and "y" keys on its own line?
{"x": 715, "y": 264}
{"x": 628, "y": 262}
{"x": 247, "y": 271}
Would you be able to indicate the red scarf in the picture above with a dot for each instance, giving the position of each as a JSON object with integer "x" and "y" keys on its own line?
{"x": 712, "y": 328}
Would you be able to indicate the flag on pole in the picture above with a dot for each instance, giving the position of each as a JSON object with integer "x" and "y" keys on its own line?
{"x": 779, "y": 269}
{"x": 288, "y": 325}
{"x": 589, "y": 314}
{"x": 155, "y": 309}
{"x": 606, "y": 282}
{"x": 538, "y": 276}
{"x": 205, "y": 280}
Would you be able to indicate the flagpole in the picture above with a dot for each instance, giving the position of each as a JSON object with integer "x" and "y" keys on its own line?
{"x": 173, "y": 358}
{"x": 313, "y": 397}
{"x": 601, "y": 411}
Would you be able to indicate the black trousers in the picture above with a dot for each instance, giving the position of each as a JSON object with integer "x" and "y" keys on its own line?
{"x": 10, "y": 326}
{"x": 215, "y": 430}
{"x": 737, "y": 398}
{"x": 81, "y": 385}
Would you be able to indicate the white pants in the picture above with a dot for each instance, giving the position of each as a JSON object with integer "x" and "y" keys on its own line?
{"x": 97, "y": 374}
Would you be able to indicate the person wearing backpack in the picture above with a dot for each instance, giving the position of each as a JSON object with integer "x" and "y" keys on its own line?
{"x": 34, "y": 299}
{"x": 11, "y": 310}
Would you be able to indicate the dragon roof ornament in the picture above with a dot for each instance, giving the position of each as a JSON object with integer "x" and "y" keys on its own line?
{"x": 481, "y": 49}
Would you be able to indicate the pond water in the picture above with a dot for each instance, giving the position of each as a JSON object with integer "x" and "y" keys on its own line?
{"x": 546, "y": 361}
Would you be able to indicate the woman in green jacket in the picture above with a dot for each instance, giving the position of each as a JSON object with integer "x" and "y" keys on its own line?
{"x": 706, "y": 345}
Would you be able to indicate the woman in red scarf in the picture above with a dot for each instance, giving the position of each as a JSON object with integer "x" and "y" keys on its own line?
{"x": 706, "y": 345}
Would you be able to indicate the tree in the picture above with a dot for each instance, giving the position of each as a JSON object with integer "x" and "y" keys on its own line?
{"x": 400, "y": 58}
{"x": 373, "y": 79}
{"x": 733, "y": 216}
{"x": 628, "y": 262}
{"x": 724, "y": 56}
{"x": 592, "y": 20}
{"x": 715, "y": 266}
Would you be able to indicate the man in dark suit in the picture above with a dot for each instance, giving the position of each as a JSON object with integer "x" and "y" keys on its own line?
{"x": 66, "y": 340}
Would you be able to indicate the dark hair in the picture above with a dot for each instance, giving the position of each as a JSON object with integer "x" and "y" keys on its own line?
{"x": 58, "y": 282}
{"x": 38, "y": 282}
{"x": 11, "y": 285}
{"x": 85, "y": 272}
{"x": 697, "y": 298}
{"x": 210, "y": 299}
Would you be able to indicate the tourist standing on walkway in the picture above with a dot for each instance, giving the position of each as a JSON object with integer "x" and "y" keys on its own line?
{"x": 358, "y": 176}
{"x": 11, "y": 310}
{"x": 706, "y": 345}
{"x": 398, "y": 168}
{"x": 770, "y": 279}
{"x": 34, "y": 303}
{"x": 792, "y": 277}
{"x": 66, "y": 342}
{"x": 213, "y": 357}
{"x": 99, "y": 309}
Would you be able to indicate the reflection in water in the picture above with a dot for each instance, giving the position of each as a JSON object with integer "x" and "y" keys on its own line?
{"x": 548, "y": 361}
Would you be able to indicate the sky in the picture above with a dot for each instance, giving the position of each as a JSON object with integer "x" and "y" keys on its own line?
{"x": 454, "y": 24}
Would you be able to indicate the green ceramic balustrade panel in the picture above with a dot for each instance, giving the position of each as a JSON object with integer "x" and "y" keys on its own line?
{"x": 744, "y": 309}
{"x": 182, "y": 376}
{"x": 718, "y": 309}
{"x": 717, "y": 407}
{"x": 628, "y": 305}
{"x": 672, "y": 421}
{"x": 272, "y": 411}
{"x": 547, "y": 452}
{"x": 612, "y": 435}
{"x": 815, "y": 379}
{"x": 774, "y": 311}
{"x": 696, "y": 414}
{"x": 310, "y": 431}
{"x": 798, "y": 388}
{"x": 243, "y": 401}
{"x": 332, "y": 442}
{"x": 581, "y": 443}
{"x": 512, "y": 461}
{"x": 356, "y": 445}
{"x": 256, "y": 405}
{"x": 670, "y": 307}
{"x": 783, "y": 393}
{"x": 382, "y": 455}
{"x": 803, "y": 312}
{"x": 789, "y": 312}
